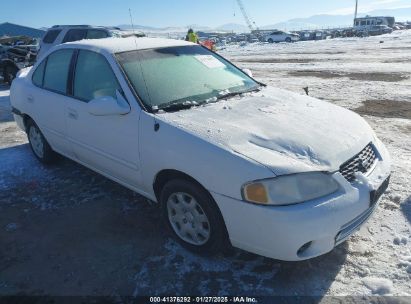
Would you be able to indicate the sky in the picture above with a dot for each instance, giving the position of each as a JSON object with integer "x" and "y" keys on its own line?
{"x": 163, "y": 13}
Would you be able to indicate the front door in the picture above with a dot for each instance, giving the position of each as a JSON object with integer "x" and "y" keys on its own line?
{"x": 108, "y": 143}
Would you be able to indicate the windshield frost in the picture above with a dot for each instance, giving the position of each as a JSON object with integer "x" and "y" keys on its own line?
{"x": 188, "y": 74}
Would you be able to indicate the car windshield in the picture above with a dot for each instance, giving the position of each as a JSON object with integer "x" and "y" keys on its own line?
{"x": 184, "y": 75}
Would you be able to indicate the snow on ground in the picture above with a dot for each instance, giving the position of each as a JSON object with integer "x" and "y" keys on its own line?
{"x": 65, "y": 230}
{"x": 371, "y": 76}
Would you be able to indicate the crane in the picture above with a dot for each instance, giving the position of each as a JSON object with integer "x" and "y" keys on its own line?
{"x": 251, "y": 25}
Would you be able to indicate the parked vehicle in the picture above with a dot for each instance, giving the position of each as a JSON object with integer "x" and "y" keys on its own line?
{"x": 16, "y": 53}
{"x": 227, "y": 159}
{"x": 68, "y": 33}
{"x": 306, "y": 35}
{"x": 280, "y": 36}
{"x": 13, "y": 59}
{"x": 374, "y": 31}
{"x": 379, "y": 30}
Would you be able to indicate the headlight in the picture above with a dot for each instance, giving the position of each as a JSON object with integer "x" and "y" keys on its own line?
{"x": 290, "y": 189}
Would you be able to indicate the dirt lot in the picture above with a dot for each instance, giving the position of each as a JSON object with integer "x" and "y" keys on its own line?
{"x": 65, "y": 230}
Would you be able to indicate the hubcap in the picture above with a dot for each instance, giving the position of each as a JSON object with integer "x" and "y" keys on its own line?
{"x": 188, "y": 219}
{"x": 36, "y": 141}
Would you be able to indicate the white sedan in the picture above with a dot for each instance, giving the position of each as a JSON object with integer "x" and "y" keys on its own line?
{"x": 228, "y": 160}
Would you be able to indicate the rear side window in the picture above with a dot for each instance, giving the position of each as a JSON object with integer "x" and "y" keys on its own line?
{"x": 38, "y": 74}
{"x": 96, "y": 34}
{"x": 56, "y": 71}
{"x": 75, "y": 35}
{"x": 94, "y": 77}
{"x": 51, "y": 36}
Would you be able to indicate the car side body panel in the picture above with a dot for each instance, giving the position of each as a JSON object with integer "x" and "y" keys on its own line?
{"x": 214, "y": 167}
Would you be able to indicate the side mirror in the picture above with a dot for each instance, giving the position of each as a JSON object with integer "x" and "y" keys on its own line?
{"x": 248, "y": 72}
{"x": 108, "y": 105}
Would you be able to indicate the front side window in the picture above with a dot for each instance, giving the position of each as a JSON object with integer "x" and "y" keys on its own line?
{"x": 93, "y": 77}
{"x": 51, "y": 36}
{"x": 184, "y": 74}
{"x": 56, "y": 71}
{"x": 75, "y": 35}
{"x": 38, "y": 74}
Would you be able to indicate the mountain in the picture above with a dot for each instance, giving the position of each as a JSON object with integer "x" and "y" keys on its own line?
{"x": 232, "y": 27}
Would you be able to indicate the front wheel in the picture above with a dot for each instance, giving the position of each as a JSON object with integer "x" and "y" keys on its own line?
{"x": 270, "y": 40}
{"x": 39, "y": 144}
{"x": 288, "y": 39}
{"x": 193, "y": 217}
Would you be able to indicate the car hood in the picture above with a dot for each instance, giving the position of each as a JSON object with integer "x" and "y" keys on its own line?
{"x": 284, "y": 131}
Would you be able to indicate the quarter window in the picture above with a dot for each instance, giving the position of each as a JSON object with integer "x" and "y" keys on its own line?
{"x": 56, "y": 72}
{"x": 38, "y": 74}
{"x": 94, "y": 77}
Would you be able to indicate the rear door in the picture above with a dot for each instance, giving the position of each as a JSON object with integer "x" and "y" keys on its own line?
{"x": 47, "y": 98}
{"x": 109, "y": 144}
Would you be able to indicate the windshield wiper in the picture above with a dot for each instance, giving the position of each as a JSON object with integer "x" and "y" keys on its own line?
{"x": 232, "y": 94}
{"x": 176, "y": 106}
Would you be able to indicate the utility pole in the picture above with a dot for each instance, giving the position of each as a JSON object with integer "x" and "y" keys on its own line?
{"x": 356, "y": 10}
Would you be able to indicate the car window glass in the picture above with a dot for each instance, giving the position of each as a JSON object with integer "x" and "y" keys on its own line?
{"x": 56, "y": 72}
{"x": 189, "y": 73}
{"x": 51, "y": 36}
{"x": 96, "y": 34}
{"x": 75, "y": 35}
{"x": 38, "y": 74}
{"x": 94, "y": 77}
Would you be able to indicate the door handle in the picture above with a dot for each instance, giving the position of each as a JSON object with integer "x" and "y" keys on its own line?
{"x": 30, "y": 98}
{"x": 72, "y": 114}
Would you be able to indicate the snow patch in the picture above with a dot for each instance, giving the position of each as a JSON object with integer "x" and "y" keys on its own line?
{"x": 379, "y": 286}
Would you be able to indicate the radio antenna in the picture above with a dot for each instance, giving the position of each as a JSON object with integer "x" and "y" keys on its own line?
{"x": 131, "y": 20}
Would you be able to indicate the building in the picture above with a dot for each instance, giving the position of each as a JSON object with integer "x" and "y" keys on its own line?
{"x": 371, "y": 21}
{"x": 10, "y": 29}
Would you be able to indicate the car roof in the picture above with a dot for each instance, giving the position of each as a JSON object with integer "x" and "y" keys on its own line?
{"x": 74, "y": 26}
{"x": 119, "y": 45}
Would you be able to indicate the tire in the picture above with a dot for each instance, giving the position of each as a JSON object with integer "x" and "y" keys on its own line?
{"x": 288, "y": 39}
{"x": 194, "y": 212}
{"x": 9, "y": 74}
{"x": 270, "y": 40}
{"x": 38, "y": 144}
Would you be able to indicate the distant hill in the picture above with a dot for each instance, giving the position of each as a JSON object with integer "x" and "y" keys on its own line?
{"x": 232, "y": 27}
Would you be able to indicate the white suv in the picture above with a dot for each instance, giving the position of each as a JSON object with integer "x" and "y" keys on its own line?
{"x": 228, "y": 159}
{"x": 67, "y": 33}
{"x": 280, "y": 36}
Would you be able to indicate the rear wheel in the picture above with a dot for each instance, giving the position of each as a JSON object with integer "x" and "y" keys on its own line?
{"x": 193, "y": 217}
{"x": 288, "y": 39}
{"x": 39, "y": 144}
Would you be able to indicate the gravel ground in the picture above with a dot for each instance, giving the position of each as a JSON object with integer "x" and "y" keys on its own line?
{"x": 65, "y": 230}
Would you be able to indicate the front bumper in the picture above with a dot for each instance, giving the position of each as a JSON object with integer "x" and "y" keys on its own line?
{"x": 307, "y": 230}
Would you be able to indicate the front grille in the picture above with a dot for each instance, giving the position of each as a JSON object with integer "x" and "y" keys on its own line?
{"x": 362, "y": 162}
